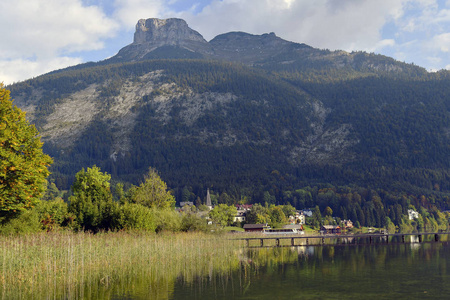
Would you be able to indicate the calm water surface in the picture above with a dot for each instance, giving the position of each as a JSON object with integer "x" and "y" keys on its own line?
{"x": 401, "y": 271}
{"x": 380, "y": 271}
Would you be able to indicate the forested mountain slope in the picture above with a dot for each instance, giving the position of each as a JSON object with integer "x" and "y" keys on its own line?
{"x": 246, "y": 114}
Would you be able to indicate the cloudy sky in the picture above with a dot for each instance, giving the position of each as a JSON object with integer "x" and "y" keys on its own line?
{"x": 38, "y": 36}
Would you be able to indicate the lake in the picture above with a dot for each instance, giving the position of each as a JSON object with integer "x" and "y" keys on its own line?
{"x": 389, "y": 271}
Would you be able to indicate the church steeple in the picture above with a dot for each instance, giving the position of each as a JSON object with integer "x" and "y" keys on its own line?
{"x": 208, "y": 200}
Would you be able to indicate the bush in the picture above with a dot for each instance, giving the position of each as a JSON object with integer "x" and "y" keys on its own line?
{"x": 167, "y": 220}
{"x": 136, "y": 216}
{"x": 192, "y": 222}
{"x": 54, "y": 214}
{"x": 25, "y": 223}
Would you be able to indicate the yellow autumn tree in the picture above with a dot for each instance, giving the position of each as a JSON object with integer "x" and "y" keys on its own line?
{"x": 23, "y": 165}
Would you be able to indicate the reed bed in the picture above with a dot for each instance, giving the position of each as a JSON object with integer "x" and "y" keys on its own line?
{"x": 68, "y": 265}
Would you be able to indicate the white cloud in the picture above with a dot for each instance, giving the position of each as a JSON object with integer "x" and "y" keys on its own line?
{"x": 128, "y": 12}
{"x": 440, "y": 42}
{"x": 18, "y": 69}
{"x": 344, "y": 24}
{"x": 37, "y": 32}
{"x": 384, "y": 43}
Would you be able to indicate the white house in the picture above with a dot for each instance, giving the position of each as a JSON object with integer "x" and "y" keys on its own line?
{"x": 299, "y": 218}
{"x": 412, "y": 214}
{"x": 240, "y": 216}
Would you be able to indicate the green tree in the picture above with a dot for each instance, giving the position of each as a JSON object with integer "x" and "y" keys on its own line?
{"x": 23, "y": 165}
{"x": 223, "y": 214}
{"x": 328, "y": 212}
{"x": 92, "y": 202}
{"x": 277, "y": 217}
{"x": 135, "y": 216}
{"x": 317, "y": 217}
{"x": 258, "y": 214}
{"x": 288, "y": 210}
{"x": 153, "y": 192}
{"x": 53, "y": 214}
{"x": 51, "y": 193}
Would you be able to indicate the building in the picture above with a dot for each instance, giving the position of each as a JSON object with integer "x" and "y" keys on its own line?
{"x": 307, "y": 212}
{"x": 298, "y": 227}
{"x": 412, "y": 214}
{"x": 240, "y": 216}
{"x": 347, "y": 224}
{"x": 255, "y": 227}
{"x": 298, "y": 218}
{"x": 208, "y": 200}
{"x": 330, "y": 229}
{"x": 244, "y": 206}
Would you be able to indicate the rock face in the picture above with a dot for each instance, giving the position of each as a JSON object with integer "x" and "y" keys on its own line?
{"x": 173, "y": 39}
{"x": 152, "y": 34}
{"x": 165, "y": 32}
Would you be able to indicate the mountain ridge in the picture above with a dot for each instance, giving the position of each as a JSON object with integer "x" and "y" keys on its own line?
{"x": 274, "y": 115}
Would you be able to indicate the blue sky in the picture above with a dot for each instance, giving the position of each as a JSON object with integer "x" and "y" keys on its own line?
{"x": 39, "y": 36}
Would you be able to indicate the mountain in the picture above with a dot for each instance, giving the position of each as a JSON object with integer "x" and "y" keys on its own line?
{"x": 246, "y": 115}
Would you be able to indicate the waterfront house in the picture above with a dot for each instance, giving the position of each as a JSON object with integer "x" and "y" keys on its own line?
{"x": 347, "y": 224}
{"x": 255, "y": 227}
{"x": 298, "y": 227}
{"x": 330, "y": 229}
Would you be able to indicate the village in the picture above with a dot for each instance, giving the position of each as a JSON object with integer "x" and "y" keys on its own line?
{"x": 295, "y": 222}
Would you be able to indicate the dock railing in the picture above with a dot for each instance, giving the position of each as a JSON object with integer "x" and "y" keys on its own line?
{"x": 344, "y": 239}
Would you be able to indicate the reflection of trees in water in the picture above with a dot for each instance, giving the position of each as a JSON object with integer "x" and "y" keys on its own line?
{"x": 315, "y": 271}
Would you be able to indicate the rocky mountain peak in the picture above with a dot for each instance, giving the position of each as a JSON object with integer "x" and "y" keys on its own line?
{"x": 167, "y": 31}
{"x": 172, "y": 35}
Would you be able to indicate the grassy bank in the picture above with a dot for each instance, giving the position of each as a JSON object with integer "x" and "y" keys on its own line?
{"x": 74, "y": 265}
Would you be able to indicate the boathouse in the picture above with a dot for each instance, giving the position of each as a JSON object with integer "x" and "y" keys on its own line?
{"x": 330, "y": 229}
{"x": 255, "y": 227}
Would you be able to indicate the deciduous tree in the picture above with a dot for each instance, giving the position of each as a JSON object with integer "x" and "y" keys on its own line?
{"x": 23, "y": 164}
{"x": 92, "y": 202}
{"x": 223, "y": 214}
{"x": 153, "y": 192}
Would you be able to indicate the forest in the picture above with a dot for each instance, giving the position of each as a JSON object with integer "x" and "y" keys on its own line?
{"x": 400, "y": 131}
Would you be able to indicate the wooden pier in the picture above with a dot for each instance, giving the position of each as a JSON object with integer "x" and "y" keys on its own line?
{"x": 343, "y": 239}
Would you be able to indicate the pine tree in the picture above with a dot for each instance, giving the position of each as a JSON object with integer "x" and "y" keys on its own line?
{"x": 23, "y": 165}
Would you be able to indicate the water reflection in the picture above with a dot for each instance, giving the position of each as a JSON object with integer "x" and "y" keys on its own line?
{"x": 404, "y": 270}
{"x": 409, "y": 270}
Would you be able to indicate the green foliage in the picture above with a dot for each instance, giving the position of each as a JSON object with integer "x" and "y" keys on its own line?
{"x": 258, "y": 214}
{"x": 25, "y": 222}
{"x": 92, "y": 202}
{"x": 52, "y": 192}
{"x": 192, "y": 222}
{"x": 317, "y": 217}
{"x": 328, "y": 211}
{"x": 277, "y": 216}
{"x": 137, "y": 217}
{"x": 223, "y": 214}
{"x": 23, "y": 165}
{"x": 167, "y": 219}
{"x": 153, "y": 192}
{"x": 53, "y": 214}
{"x": 399, "y": 118}
{"x": 288, "y": 210}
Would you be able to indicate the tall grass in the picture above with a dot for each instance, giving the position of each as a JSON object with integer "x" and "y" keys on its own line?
{"x": 69, "y": 265}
